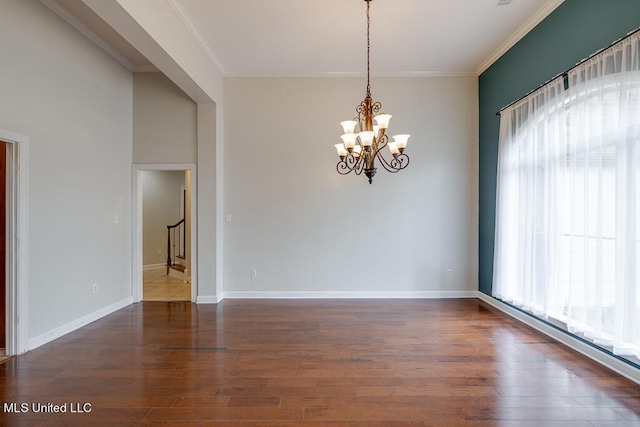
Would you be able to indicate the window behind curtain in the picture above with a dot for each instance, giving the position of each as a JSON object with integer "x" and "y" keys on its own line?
{"x": 568, "y": 206}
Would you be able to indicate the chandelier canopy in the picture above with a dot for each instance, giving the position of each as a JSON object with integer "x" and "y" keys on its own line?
{"x": 362, "y": 141}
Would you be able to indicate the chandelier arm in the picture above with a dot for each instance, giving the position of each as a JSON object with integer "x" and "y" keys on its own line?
{"x": 402, "y": 160}
{"x": 382, "y": 142}
{"x": 346, "y": 166}
{"x": 350, "y": 164}
{"x": 359, "y": 166}
{"x": 362, "y": 115}
{"x": 343, "y": 168}
{"x": 396, "y": 164}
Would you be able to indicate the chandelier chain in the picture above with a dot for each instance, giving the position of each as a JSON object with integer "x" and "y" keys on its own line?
{"x": 368, "y": 49}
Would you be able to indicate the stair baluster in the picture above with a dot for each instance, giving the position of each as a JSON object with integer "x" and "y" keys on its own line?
{"x": 180, "y": 251}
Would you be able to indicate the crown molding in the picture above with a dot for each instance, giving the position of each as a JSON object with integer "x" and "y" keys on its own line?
{"x": 84, "y": 30}
{"x": 531, "y": 23}
{"x": 184, "y": 16}
{"x": 355, "y": 74}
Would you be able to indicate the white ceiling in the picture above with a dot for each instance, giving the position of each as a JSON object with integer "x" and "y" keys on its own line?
{"x": 328, "y": 37}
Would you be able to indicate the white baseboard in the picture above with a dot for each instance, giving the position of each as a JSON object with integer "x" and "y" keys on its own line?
{"x": 349, "y": 295}
{"x": 154, "y": 266}
{"x": 208, "y": 300}
{"x": 605, "y": 359}
{"x": 58, "y": 332}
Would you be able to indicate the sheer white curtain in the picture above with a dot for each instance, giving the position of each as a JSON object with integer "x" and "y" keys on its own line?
{"x": 568, "y": 206}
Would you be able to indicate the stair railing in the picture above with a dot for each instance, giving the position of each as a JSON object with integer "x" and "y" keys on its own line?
{"x": 176, "y": 238}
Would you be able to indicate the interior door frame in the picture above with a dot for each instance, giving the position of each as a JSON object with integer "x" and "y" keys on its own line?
{"x": 136, "y": 192}
{"x": 17, "y": 242}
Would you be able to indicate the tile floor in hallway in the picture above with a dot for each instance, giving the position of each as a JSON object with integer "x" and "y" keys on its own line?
{"x": 159, "y": 286}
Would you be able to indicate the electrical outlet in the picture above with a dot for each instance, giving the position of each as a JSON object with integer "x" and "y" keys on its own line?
{"x": 95, "y": 288}
{"x": 159, "y": 251}
{"x": 116, "y": 219}
{"x": 254, "y": 273}
{"x": 449, "y": 272}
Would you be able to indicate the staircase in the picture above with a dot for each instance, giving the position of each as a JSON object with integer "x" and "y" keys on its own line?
{"x": 176, "y": 251}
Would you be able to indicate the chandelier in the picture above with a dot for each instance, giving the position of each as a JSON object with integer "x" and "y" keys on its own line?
{"x": 362, "y": 141}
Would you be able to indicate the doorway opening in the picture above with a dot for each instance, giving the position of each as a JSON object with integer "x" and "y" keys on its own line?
{"x": 3, "y": 248}
{"x": 165, "y": 267}
{"x": 16, "y": 244}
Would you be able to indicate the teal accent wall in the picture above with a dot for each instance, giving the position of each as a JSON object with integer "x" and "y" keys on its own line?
{"x": 573, "y": 31}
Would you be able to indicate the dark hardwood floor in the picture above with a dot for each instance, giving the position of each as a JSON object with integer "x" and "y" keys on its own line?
{"x": 323, "y": 363}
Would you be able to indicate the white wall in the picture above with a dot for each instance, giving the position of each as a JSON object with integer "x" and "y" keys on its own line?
{"x": 209, "y": 203}
{"x": 74, "y": 102}
{"x": 161, "y": 207}
{"x": 164, "y": 121}
{"x": 305, "y": 228}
